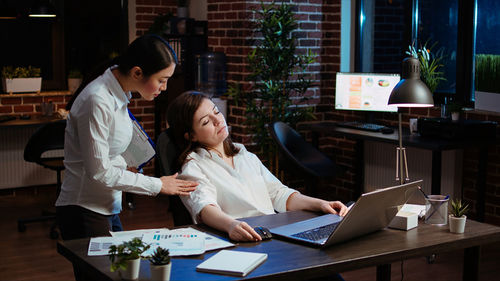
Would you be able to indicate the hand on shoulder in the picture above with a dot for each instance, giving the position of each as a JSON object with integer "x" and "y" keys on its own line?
{"x": 173, "y": 186}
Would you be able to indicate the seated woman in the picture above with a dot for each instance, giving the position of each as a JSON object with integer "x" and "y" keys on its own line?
{"x": 233, "y": 183}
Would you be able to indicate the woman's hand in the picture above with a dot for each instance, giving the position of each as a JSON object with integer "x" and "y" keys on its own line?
{"x": 241, "y": 231}
{"x": 333, "y": 207}
{"x": 173, "y": 186}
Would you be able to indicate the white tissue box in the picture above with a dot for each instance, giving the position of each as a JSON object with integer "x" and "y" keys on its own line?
{"x": 404, "y": 220}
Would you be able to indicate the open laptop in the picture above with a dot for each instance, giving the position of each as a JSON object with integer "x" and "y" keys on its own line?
{"x": 371, "y": 212}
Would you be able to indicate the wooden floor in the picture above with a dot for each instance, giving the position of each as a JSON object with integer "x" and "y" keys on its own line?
{"x": 32, "y": 255}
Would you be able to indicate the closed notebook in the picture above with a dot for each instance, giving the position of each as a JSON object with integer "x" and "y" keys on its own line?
{"x": 232, "y": 262}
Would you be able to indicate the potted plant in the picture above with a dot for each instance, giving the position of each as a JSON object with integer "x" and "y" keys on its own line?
{"x": 457, "y": 216}
{"x": 454, "y": 108}
{"x": 74, "y": 79}
{"x": 160, "y": 264}
{"x": 21, "y": 79}
{"x": 279, "y": 77}
{"x": 126, "y": 258}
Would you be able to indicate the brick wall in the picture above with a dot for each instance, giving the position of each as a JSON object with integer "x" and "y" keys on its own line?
{"x": 30, "y": 104}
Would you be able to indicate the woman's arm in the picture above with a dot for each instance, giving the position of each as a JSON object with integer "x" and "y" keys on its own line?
{"x": 238, "y": 230}
{"x": 298, "y": 201}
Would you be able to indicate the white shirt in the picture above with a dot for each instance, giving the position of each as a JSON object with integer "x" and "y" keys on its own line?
{"x": 247, "y": 190}
{"x": 98, "y": 131}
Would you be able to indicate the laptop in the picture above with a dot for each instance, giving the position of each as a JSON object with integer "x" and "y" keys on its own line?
{"x": 371, "y": 212}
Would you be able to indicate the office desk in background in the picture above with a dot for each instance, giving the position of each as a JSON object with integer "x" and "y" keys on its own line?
{"x": 437, "y": 146}
{"x": 291, "y": 261}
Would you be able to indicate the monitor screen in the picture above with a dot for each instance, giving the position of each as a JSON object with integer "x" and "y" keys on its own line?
{"x": 365, "y": 91}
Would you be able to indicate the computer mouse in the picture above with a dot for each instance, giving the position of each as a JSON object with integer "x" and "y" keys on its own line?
{"x": 387, "y": 130}
{"x": 263, "y": 232}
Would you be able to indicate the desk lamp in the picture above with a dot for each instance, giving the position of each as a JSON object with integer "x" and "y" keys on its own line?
{"x": 409, "y": 92}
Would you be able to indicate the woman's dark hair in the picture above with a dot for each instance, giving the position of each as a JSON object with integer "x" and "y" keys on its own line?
{"x": 149, "y": 52}
{"x": 180, "y": 120}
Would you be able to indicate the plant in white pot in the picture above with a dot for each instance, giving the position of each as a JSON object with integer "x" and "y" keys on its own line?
{"x": 21, "y": 79}
{"x": 126, "y": 258}
{"x": 454, "y": 108}
{"x": 160, "y": 265}
{"x": 457, "y": 217}
{"x": 74, "y": 79}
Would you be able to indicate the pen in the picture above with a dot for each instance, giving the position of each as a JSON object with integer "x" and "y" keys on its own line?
{"x": 425, "y": 195}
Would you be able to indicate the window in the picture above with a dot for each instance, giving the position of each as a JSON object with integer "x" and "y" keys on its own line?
{"x": 465, "y": 30}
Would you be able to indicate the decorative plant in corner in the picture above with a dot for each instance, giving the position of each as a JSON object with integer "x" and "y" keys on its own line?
{"x": 430, "y": 64}
{"x": 21, "y": 79}
{"x": 126, "y": 257}
{"x": 278, "y": 73}
{"x": 458, "y": 211}
{"x": 160, "y": 264}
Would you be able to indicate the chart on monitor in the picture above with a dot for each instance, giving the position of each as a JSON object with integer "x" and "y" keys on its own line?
{"x": 365, "y": 91}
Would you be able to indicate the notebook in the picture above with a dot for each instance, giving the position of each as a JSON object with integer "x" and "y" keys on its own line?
{"x": 371, "y": 212}
{"x": 236, "y": 263}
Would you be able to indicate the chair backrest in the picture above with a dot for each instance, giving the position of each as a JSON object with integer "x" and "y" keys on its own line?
{"x": 301, "y": 154}
{"x": 49, "y": 136}
{"x": 167, "y": 154}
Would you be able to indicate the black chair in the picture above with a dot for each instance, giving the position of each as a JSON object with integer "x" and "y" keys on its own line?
{"x": 300, "y": 156}
{"x": 48, "y": 137}
{"x": 167, "y": 154}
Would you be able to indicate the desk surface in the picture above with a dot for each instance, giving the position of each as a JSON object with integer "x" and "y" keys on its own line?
{"x": 291, "y": 261}
{"x": 436, "y": 144}
{"x": 34, "y": 120}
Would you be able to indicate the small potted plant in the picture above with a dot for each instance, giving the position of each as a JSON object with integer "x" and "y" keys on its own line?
{"x": 74, "y": 79}
{"x": 454, "y": 108}
{"x": 126, "y": 258}
{"x": 21, "y": 79}
{"x": 160, "y": 264}
{"x": 457, "y": 216}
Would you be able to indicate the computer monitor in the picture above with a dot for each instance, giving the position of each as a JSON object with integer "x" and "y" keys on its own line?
{"x": 365, "y": 91}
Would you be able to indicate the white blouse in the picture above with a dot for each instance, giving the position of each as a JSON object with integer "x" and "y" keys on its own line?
{"x": 247, "y": 190}
{"x": 98, "y": 131}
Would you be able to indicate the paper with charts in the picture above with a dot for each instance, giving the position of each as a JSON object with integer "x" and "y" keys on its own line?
{"x": 180, "y": 242}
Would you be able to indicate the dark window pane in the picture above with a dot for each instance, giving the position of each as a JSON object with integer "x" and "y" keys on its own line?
{"x": 438, "y": 24}
{"x": 487, "y": 71}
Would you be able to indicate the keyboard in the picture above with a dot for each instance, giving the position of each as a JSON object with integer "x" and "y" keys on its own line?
{"x": 361, "y": 126}
{"x": 317, "y": 233}
{"x": 5, "y": 118}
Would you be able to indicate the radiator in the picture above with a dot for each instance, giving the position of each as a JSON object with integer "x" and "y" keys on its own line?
{"x": 14, "y": 171}
{"x": 380, "y": 168}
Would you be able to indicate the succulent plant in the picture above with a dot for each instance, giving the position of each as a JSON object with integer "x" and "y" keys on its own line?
{"x": 458, "y": 209}
{"x": 161, "y": 256}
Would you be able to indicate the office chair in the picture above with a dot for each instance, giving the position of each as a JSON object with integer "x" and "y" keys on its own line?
{"x": 300, "y": 156}
{"x": 167, "y": 154}
{"x": 48, "y": 137}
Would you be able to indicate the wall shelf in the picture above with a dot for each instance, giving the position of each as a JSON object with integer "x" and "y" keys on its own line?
{"x": 40, "y": 94}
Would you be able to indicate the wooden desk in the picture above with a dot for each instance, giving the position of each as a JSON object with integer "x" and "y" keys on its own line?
{"x": 35, "y": 120}
{"x": 291, "y": 261}
{"x": 437, "y": 146}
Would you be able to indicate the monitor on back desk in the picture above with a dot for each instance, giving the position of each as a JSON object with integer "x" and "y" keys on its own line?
{"x": 365, "y": 91}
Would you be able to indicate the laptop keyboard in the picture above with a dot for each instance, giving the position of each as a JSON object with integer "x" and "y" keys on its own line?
{"x": 317, "y": 233}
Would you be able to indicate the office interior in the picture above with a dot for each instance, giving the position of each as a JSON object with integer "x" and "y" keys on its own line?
{"x": 359, "y": 36}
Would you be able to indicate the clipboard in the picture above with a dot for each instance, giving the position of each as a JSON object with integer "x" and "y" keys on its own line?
{"x": 141, "y": 148}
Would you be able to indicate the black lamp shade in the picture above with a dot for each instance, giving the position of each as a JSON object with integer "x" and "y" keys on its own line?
{"x": 411, "y": 91}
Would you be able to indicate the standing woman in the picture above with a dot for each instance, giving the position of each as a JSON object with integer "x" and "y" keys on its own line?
{"x": 99, "y": 130}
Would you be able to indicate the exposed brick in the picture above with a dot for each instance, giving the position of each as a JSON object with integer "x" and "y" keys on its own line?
{"x": 23, "y": 108}
{"x": 6, "y": 109}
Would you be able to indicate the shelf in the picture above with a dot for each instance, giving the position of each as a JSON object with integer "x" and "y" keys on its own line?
{"x": 40, "y": 94}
